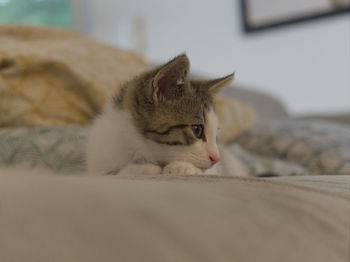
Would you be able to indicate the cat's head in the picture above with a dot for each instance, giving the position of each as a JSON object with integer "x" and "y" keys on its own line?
{"x": 176, "y": 113}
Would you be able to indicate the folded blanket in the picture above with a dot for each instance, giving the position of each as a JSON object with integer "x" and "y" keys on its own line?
{"x": 55, "y": 77}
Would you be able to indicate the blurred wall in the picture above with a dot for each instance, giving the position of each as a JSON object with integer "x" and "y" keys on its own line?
{"x": 306, "y": 65}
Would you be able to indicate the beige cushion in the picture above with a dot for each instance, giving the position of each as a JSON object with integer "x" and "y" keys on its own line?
{"x": 55, "y": 77}
{"x": 170, "y": 218}
{"x": 235, "y": 117}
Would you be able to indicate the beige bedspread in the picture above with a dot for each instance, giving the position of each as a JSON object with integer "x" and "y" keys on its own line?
{"x": 172, "y": 218}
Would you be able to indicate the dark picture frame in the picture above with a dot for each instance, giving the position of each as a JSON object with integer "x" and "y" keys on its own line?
{"x": 253, "y": 24}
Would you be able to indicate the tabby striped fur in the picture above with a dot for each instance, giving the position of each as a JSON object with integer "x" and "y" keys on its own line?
{"x": 161, "y": 121}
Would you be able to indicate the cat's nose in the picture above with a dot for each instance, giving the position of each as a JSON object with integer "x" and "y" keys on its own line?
{"x": 214, "y": 159}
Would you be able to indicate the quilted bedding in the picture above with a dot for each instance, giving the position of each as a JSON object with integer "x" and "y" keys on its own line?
{"x": 62, "y": 150}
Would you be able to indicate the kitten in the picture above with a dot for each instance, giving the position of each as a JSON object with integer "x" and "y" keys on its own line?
{"x": 160, "y": 122}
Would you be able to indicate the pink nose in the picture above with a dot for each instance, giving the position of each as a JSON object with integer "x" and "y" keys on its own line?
{"x": 214, "y": 159}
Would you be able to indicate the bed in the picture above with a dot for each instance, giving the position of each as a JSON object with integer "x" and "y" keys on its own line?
{"x": 293, "y": 206}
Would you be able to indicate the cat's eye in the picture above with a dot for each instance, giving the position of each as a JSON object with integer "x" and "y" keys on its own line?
{"x": 198, "y": 131}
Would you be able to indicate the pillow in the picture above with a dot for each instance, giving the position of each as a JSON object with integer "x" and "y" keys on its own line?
{"x": 322, "y": 147}
{"x": 234, "y": 117}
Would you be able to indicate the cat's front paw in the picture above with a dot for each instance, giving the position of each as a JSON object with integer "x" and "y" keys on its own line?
{"x": 182, "y": 168}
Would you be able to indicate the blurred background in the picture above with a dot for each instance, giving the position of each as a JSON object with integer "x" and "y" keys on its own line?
{"x": 277, "y": 47}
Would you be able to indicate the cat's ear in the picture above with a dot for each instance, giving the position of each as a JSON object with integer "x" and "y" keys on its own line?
{"x": 213, "y": 86}
{"x": 170, "y": 79}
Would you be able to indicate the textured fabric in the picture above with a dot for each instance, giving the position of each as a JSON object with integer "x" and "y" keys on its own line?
{"x": 341, "y": 118}
{"x": 333, "y": 183}
{"x": 321, "y": 147}
{"x": 259, "y": 165}
{"x": 62, "y": 150}
{"x": 170, "y": 218}
{"x": 55, "y": 77}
